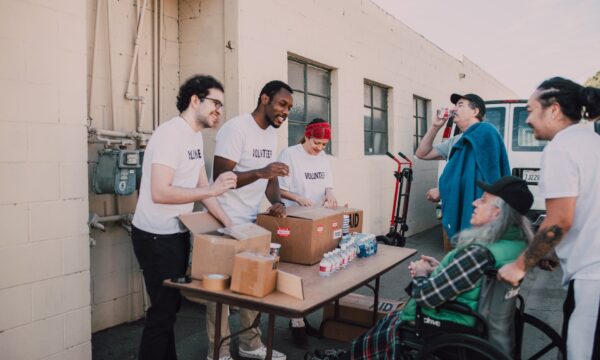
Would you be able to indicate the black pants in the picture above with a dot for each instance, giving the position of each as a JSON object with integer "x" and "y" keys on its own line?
{"x": 161, "y": 257}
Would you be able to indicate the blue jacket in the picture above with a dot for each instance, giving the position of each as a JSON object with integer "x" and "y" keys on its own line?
{"x": 480, "y": 154}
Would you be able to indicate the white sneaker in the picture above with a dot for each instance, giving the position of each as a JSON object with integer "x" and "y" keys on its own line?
{"x": 226, "y": 357}
{"x": 261, "y": 353}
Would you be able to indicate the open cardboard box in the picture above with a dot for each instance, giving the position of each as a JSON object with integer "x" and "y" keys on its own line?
{"x": 305, "y": 234}
{"x": 258, "y": 275}
{"x": 213, "y": 252}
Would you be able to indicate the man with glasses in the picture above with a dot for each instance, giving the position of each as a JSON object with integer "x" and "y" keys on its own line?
{"x": 247, "y": 145}
{"x": 173, "y": 178}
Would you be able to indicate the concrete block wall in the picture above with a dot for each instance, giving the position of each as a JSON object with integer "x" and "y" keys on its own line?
{"x": 44, "y": 246}
{"x": 116, "y": 282}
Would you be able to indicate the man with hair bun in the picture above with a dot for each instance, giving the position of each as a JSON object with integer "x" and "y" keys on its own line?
{"x": 570, "y": 184}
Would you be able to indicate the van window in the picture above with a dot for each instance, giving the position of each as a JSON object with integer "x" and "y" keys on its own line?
{"x": 523, "y": 139}
{"x": 496, "y": 116}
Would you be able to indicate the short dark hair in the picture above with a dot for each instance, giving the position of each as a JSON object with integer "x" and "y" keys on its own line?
{"x": 198, "y": 85}
{"x": 575, "y": 101}
{"x": 271, "y": 88}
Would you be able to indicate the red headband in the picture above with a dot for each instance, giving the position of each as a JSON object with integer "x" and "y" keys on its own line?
{"x": 318, "y": 130}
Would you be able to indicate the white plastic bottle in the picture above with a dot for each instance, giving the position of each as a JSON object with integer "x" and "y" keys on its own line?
{"x": 325, "y": 266}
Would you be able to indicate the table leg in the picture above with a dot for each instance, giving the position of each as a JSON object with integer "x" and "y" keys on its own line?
{"x": 270, "y": 335}
{"x": 217, "y": 342}
{"x": 376, "y": 302}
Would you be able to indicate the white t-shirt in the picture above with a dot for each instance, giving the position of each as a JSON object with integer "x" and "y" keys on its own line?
{"x": 176, "y": 145}
{"x": 243, "y": 141}
{"x": 309, "y": 174}
{"x": 571, "y": 168}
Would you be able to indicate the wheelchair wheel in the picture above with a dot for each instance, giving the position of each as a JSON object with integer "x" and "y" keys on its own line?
{"x": 460, "y": 347}
{"x": 536, "y": 327}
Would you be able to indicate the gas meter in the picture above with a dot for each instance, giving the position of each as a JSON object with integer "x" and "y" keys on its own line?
{"x": 116, "y": 172}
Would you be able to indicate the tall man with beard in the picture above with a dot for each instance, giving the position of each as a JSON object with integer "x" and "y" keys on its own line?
{"x": 173, "y": 178}
{"x": 247, "y": 145}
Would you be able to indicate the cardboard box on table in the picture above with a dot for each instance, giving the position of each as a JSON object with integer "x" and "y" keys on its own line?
{"x": 356, "y": 218}
{"x": 258, "y": 275}
{"x": 305, "y": 234}
{"x": 213, "y": 252}
{"x": 356, "y": 308}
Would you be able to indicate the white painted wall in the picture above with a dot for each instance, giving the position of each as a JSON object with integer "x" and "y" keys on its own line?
{"x": 44, "y": 251}
{"x": 359, "y": 41}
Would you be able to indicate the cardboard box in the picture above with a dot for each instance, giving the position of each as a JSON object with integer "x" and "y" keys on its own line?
{"x": 305, "y": 234}
{"x": 214, "y": 252}
{"x": 254, "y": 274}
{"x": 356, "y": 308}
{"x": 356, "y": 218}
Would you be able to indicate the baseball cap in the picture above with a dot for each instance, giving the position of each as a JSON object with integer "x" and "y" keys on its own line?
{"x": 475, "y": 99}
{"x": 511, "y": 189}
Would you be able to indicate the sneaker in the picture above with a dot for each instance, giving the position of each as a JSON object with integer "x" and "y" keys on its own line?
{"x": 261, "y": 353}
{"x": 299, "y": 337}
{"x": 226, "y": 357}
{"x": 328, "y": 354}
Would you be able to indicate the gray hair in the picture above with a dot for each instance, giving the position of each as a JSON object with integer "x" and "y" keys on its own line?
{"x": 492, "y": 231}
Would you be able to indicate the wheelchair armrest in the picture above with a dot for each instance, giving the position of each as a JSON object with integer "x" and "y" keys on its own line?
{"x": 455, "y": 306}
{"x": 480, "y": 327}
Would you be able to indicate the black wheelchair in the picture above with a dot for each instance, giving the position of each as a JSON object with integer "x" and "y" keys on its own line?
{"x": 500, "y": 324}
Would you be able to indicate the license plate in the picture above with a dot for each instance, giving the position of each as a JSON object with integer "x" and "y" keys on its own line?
{"x": 531, "y": 176}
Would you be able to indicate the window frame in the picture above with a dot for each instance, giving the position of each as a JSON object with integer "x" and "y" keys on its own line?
{"x": 417, "y": 137}
{"x": 304, "y": 91}
{"x": 385, "y": 111}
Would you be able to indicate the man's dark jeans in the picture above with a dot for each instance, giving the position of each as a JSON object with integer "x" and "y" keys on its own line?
{"x": 161, "y": 257}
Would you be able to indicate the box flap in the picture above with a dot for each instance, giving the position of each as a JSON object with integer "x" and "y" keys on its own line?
{"x": 290, "y": 284}
{"x": 244, "y": 231}
{"x": 310, "y": 213}
{"x": 200, "y": 222}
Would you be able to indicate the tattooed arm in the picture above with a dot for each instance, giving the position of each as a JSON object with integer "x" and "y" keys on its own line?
{"x": 559, "y": 218}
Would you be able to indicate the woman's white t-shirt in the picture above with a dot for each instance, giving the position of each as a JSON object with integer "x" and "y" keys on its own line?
{"x": 571, "y": 168}
{"x": 309, "y": 174}
{"x": 176, "y": 145}
{"x": 241, "y": 140}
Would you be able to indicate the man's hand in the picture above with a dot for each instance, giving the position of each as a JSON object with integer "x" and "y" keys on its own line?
{"x": 330, "y": 200}
{"x": 273, "y": 170}
{"x": 302, "y": 201}
{"x": 277, "y": 210}
{"x": 549, "y": 262}
{"x": 224, "y": 182}
{"x": 511, "y": 273}
{"x": 431, "y": 260}
{"x": 418, "y": 268}
{"x": 433, "y": 195}
{"x": 439, "y": 121}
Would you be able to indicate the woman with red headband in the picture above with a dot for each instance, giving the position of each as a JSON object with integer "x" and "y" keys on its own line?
{"x": 309, "y": 183}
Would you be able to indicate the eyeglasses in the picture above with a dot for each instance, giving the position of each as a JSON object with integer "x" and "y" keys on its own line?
{"x": 218, "y": 103}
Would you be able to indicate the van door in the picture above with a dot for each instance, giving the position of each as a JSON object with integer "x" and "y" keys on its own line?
{"x": 525, "y": 152}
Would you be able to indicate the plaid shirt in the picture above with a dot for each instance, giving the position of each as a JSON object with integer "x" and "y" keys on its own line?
{"x": 460, "y": 275}
{"x": 384, "y": 340}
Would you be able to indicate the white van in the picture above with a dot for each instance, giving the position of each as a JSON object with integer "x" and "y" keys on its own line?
{"x": 524, "y": 151}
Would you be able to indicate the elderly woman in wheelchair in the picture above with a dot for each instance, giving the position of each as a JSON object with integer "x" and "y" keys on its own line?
{"x": 457, "y": 301}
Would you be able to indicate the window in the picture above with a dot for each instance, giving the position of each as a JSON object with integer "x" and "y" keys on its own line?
{"x": 420, "y": 116}
{"x": 523, "y": 139}
{"x": 312, "y": 97}
{"x": 496, "y": 116}
{"x": 375, "y": 119}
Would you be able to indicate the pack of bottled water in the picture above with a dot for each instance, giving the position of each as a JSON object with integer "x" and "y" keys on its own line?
{"x": 351, "y": 246}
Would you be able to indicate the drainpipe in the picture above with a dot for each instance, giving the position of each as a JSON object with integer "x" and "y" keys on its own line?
{"x": 95, "y": 35}
{"x": 110, "y": 64}
{"x": 135, "y": 63}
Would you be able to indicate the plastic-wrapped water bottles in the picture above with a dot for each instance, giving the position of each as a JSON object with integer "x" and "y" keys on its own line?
{"x": 325, "y": 265}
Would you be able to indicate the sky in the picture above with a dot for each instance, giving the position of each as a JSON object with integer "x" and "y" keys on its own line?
{"x": 519, "y": 42}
